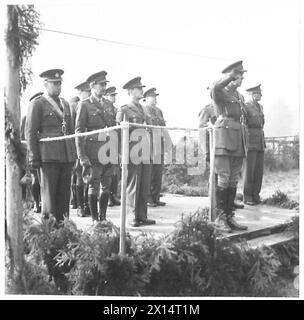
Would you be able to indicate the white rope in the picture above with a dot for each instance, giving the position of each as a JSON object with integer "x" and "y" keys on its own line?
{"x": 83, "y": 134}
{"x": 168, "y": 128}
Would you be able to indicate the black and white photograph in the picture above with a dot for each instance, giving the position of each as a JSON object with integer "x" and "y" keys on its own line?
{"x": 152, "y": 150}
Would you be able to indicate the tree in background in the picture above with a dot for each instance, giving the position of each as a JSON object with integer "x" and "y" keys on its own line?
{"x": 21, "y": 34}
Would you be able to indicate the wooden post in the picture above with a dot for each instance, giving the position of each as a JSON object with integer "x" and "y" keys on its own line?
{"x": 13, "y": 195}
{"x": 212, "y": 199}
{"x": 124, "y": 175}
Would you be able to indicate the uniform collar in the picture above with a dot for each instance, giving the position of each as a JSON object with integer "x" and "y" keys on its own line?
{"x": 93, "y": 98}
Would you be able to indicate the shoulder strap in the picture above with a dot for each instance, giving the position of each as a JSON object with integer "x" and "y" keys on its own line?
{"x": 54, "y": 105}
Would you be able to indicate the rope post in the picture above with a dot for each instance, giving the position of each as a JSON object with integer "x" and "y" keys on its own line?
{"x": 124, "y": 175}
{"x": 212, "y": 200}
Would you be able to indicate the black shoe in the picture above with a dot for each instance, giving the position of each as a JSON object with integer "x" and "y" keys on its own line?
{"x": 237, "y": 205}
{"x": 161, "y": 203}
{"x": 250, "y": 203}
{"x": 147, "y": 222}
{"x": 80, "y": 212}
{"x": 111, "y": 203}
{"x": 234, "y": 225}
{"x": 135, "y": 223}
{"x": 152, "y": 204}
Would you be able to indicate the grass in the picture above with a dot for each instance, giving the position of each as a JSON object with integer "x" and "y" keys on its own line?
{"x": 287, "y": 182}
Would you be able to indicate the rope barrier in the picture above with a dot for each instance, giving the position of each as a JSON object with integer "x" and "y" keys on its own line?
{"x": 121, "y": 126}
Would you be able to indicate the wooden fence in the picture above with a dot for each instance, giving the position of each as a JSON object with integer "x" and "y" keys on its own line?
{"x": 277, "y": 144}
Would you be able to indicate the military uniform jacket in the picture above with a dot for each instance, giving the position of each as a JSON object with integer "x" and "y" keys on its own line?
{"x": 255, "y": 123}
{"x": 46, "y": 120}
{"x": 206, "y": 114}
{"x": 230, "y": 136}
{"x": 133, "y": 112}
{"x": 91, "y": 115}
{"x": 156, "y": 118}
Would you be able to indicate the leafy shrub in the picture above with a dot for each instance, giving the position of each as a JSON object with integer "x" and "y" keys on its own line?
{"x": 281, "y": 199}
{"x": 45, "y": 240}
{"x": 194, "y": 260}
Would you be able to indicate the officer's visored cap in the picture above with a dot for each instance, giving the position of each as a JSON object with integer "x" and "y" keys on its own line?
{"x": 111, "y": 91}
{"x": 134, "y": 83}
{"x": 84, "y": 86}
{"x": 256, "y": 89}
{"x": 238, "y": 66}
{"x": 98, "y": 77}
{"x": 36, "y": 95}
{"x": 52, "y": 75}
{"x": 150, "y": 93}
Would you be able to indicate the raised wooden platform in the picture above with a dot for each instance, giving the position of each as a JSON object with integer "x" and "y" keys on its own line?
{"x": 265, "y": 223}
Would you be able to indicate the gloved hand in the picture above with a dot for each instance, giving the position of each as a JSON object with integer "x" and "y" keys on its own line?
{"x": 35, "y": 164}
{"x": 85, "y": 162}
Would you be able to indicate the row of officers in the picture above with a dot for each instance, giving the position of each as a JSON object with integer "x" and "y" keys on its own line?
{"x": 94, "y": 184}
{"x": 238, "y": 129}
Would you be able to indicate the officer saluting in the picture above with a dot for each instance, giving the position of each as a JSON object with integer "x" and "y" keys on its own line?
{"x": 138, "y": 174}
{"x": 229, "y": 143}
{"x": 91, "y": 115}
{"x": 256, "y": 145}
{"x": 50, "y": 116}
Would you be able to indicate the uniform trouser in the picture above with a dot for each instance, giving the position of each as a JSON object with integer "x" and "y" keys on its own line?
{"x": 55, "y": 188}
{"x": 138, "y": 188}
{"x": 78, "y": 172}
{"x": 101, "y": 176}
{"x": 156, "y": 181}
{"x": 228, "y": 169}
{"x": 73, "y": 186}
{"x": 115, "y": 180}
{"x": 35, "y": 186}
{"x": 253, "y": 175}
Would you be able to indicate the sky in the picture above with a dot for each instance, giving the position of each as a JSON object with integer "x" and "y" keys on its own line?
{"x": 187, "y": 44}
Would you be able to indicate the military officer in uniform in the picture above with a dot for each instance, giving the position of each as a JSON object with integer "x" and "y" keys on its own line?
{"x": 138, "y": 174}
{"x": 156, "y": 119}
{"x": 50, "y": 116}
{"x": 91, "y": 115}
{"x": 229, "y": 143}
{"x": 35, "y": 184}
{"x": 110, "y": 95}
{"x": 79, "y": 189}
{"x": 208, "y": 115}
{"x": 254, "y": 164}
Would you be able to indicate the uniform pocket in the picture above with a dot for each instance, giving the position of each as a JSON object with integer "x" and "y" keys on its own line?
{"x": 94, "y": 119}
{"x": 226, "y": 138}
{"x": 49, "y": 119}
